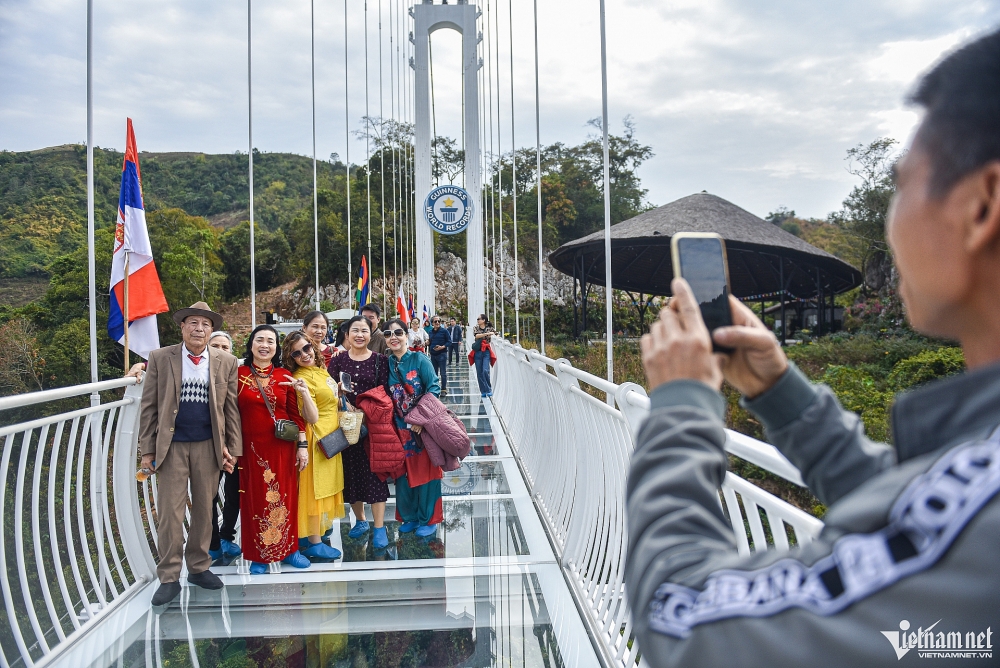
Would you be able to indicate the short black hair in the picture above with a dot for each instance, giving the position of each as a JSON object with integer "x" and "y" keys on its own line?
{"x": 373, "y": 308}
{"x": 276, "y": 359}
{"x": 961, "y": 129}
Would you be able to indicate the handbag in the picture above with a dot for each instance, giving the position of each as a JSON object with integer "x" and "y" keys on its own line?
{"x": 350, "y": 422}
{"x": 334, "y": 443}
{"x": 286, "y": 430}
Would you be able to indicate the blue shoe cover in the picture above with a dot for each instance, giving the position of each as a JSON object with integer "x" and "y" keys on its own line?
{"x": 427, "y": 530}
{"x": 380, "y": 539}
{"x": 407, "y": 527}
{"x": 320, "y": 552}
{"x": 359, "y": 529}
{"x": 297, "y": 560}
{"x": 215, "y": 555}
{"x": 257, "y": 568}
{"x": 230, "y": 548}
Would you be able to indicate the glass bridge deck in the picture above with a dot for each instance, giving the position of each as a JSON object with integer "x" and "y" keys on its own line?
{"x": 485, "y": 591}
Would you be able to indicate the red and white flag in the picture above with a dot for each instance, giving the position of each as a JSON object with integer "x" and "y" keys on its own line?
{"x": 404, "y": 313}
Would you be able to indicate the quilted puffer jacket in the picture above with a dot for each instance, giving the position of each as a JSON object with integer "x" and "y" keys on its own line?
{"x": 444, "y": 436}
{"x": 385, "y": 448}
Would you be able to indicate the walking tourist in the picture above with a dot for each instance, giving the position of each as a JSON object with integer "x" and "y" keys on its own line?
{"x": 316, "y": 326}
{"x": 910, "y": 537}
{"x": 223, "y": 548}
{"x": 483, "y": 333}
{"x": 438, "y": 344}
{"x": 417, "y": 338}
{"x": 372, "y": 313}
{"x": 189, "y": 431}
{"x": 368, "y": 370}
{"x": 269, "y": 466}
{"x": 454, "y": 340}
{"x": 321, "y": 482}
{"x": 418, "y": 491}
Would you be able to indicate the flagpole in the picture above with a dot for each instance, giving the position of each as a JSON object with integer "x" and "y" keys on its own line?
{"x": 312, "y": 31}
{"x": 125, "y": 291}
{"x": 91, "y": 265}
{"x": 608, "y": 288}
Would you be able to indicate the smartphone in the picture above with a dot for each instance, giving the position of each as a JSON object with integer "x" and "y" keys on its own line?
{"x": 345, "y": 380}
{"x": 700, "y": 259}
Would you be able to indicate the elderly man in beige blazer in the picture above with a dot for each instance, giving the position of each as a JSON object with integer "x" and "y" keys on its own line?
{"x": 189, "y": 431}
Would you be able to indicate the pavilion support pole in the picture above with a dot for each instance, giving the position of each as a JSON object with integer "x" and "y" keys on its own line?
{"x": 576, "y": 324}
{"x": 784, "y": 321}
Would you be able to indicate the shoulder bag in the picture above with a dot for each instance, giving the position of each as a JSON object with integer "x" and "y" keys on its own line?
{"x": 286, "y": 430}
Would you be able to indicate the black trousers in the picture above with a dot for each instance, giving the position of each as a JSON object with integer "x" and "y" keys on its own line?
{"x": 230, "y": 509}
{"x": 440, "y": 364}
{"x": 453, "y": 349}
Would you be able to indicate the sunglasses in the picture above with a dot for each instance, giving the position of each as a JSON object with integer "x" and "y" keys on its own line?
{"x": 393, "y": 332}
{"x": 304, "y": 350}
{"x": 435, "y": 322}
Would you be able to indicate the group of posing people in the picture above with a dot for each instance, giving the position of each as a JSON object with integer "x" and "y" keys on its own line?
{"x": 203, "y": 412}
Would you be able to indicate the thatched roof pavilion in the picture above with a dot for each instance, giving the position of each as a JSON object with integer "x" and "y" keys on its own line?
{"x": 765, "y": 261}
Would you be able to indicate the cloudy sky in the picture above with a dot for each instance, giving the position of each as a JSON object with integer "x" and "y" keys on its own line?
{"x": 754, "y": 101}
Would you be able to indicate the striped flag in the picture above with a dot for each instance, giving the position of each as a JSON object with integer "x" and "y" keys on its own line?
{"x": 145, "y": 296}
{"x": 427, "y": 317}
{"x": 401, "y": 309}
{"x": 361, "y": 294}
{"x": 409, "y": 309}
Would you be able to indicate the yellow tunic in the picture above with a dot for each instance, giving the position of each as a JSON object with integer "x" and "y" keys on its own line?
{"x": 321, "y": 483}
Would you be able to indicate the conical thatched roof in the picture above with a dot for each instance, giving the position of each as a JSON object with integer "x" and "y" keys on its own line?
{"x": 759, "y": 252}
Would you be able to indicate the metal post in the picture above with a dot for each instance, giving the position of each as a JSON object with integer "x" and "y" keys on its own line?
{"x": 608, "y": 325}
{"x": 784, "y": 321}
{"x": 347, "y": 164}
{"x": 538, "y": 187}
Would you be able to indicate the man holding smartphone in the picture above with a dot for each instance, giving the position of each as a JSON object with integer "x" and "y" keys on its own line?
{"x": 912, "y": 534}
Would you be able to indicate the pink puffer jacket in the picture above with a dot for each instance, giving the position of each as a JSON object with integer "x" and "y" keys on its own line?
{"x": 443, "y": 434}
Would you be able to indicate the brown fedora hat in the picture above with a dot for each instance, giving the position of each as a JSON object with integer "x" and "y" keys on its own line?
{"x": 199, "y": 308}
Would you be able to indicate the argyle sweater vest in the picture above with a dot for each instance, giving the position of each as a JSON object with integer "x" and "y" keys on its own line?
{"x": 194, "y": 421}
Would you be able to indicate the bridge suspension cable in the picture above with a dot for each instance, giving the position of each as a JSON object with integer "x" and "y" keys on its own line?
{"x": 312, "y": 53}
{"x": 253, "y": 263}
{"x": 513, "y": 180}
{"x": 347, "y": 162}
{"x": 608, "y": 291}
{"x": 381, "y": 148}
{"x": 499, "y": 167}
{"x": 538, "y": 189}
{"x": 368, "y": 159}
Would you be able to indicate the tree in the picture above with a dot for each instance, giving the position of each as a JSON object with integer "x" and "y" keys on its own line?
{"x": 866, "y": 208}
{"x": 21, "y": 363}
{"x": 272, "y": 254}
{"x": 185, "y": 248}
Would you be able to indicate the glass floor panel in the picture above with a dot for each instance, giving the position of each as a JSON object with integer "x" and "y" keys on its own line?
{"x": 471, "y": 528}
{"x": 475, "y": 620}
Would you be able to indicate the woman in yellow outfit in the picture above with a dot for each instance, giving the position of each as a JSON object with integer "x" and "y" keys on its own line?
{"x": 321, "y": 483}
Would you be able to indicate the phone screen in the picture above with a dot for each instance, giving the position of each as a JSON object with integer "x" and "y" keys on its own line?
{"x": 345, "y": 380}
{"x": 702, "y": 265}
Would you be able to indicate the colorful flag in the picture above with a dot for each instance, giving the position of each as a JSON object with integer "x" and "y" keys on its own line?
{"x": 409, "y": 309}
{"x": 145, "y": 296}
{"x": 427, "y": 317}
{"x": 362, "y": 292}
{"x": 401, "y": 309}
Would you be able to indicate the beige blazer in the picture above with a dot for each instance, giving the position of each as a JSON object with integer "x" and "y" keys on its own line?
{"x": 161, "y": 394}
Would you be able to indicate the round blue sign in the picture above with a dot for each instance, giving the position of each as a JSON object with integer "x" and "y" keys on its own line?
{"x": 448, "y": 209}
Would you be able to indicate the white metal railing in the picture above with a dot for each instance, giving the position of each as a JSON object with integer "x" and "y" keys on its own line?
{"x": 70, "y": 551}
{"x": 574, "y": 450}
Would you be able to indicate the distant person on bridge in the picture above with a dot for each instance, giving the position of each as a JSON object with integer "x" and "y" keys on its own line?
{"x": 438, "y": 343}
{"x": 483, "y": 332}
{"x": 190, "y": 429}
{"x": 912, "y": 535}
{"x": 269, "y": 467}
{"x": 454, "y": 340}
{"x": 316, "y": 326}
{"x": 223, "y": 548}
{"x": 417, "y": 338}
{"x": 418, "y": 492}
{"x": 372, "y": 313}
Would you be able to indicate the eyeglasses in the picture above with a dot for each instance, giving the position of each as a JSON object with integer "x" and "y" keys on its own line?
{"x": 435, "y": 322}
{"x": 393, "y": 332}
{"x": 304, "y": 350}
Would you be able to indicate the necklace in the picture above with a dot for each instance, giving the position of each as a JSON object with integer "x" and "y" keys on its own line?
{"x": 262, "y": 373}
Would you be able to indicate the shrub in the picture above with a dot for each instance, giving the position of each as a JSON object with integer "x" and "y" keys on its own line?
{"x": 860, "y": 393}
{"x": 926, "y": 366}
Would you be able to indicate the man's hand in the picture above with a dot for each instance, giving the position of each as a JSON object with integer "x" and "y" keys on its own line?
{"x": 147, "y": 462}
{"x": 228, "y": 461}
{"x": 678, "y": 346}
{"x": 137, "y": 371}
{"x": 757, "y": 361}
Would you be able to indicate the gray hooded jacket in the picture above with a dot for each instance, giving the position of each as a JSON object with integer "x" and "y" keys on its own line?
{"x": 907, "y": 566}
